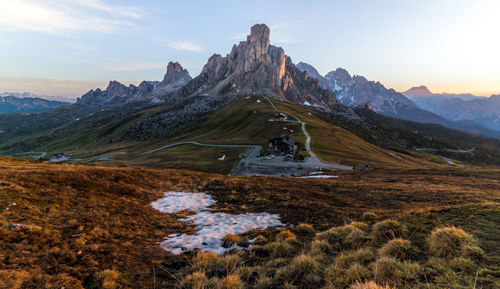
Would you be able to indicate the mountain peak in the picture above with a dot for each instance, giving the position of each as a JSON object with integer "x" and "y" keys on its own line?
{"x": 302, "y": 66}
{"x": 174, "y": 73}
{"x": 255, "y": 66}
{"x": 260, "y": 35}
{"x": 416, "y": 91}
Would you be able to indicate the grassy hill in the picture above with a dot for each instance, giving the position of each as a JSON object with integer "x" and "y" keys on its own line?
{"x": 94, "y": 227}
{"x": 245, "y": 121}
{"x": 385, "y": 142}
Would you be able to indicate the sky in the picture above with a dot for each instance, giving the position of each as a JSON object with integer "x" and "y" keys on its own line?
{"x": 67, "y": 47}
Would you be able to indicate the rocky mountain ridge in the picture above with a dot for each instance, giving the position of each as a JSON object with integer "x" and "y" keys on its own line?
{"x": 117, "y": 94}
{"x": 356, "y": 90}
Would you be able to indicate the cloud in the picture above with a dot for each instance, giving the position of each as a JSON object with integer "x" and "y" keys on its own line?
{"x": 185, "y": 45}
{"x": 58, "y": 16}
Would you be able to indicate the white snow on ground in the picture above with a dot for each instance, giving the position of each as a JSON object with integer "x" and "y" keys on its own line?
{"x": 61, "y": 159}
{"x": 174, "y": 202}
{"x": 395, "y": 155}
{"x": 318, "y": 177}
{"x": 307, "y": 103}
{"x": 451, "y": 162}
{"x": 210, "y": 227}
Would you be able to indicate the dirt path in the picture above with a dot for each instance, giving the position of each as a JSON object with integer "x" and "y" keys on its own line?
{"x": 313, "y": 159}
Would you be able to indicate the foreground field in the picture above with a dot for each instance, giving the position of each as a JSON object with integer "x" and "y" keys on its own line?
{"x": 93, "y": 227}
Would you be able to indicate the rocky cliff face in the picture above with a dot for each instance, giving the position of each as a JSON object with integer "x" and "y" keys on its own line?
{"x": 117, "y": 93}
{"x": 255, "y": 66}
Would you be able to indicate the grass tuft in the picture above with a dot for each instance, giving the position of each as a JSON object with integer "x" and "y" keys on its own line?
{"x": 387, "y": 230}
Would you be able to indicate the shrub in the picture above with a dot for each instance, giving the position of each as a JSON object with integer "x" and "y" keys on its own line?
{"x": 279, "y": 249}
{"x": 390, "y": 271}
{"x": 302, "y": 271}
{"x": 360, "y": 256}
{"x": 320, "y": 248}
{"x": 196, "y": 280}
{"x": 462, "y": 265}
{"x": 246, "y": 272}
{"x": 336, "y": 277}
{"x": 286, "y": 236}
{"x": 304, "y": 230}
{"x": 448, "y": 242}
{"x": 228, "y": 262}
{"x": 260, "y": 240}
{"x": 336, "y": 235}
{"x": 263, "y": 282}
{"x": 368, "y": 285}
{"x": 230, "y": 240}
{"x": 205, "y": 260}
{"x": 232, "y": 282}
{"x": 361, "y": 225}
{"x": 110, "y": 279}
{"x": 369, "y": 216}
{"x": 397, "y": 248}
{"x": 386, "y": 230}
{"x": 355, "y": 239}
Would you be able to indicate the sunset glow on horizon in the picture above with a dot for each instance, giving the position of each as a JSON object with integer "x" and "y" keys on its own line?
{"x": 67, "y": 47}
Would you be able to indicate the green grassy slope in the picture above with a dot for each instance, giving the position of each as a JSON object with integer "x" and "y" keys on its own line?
{"x": 244, "y": 121}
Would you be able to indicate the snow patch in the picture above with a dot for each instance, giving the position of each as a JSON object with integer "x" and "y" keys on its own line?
{"x": 318, "y": 177}
{"x": 210, "y": 227}
{"x": 307, "y": 103}
{"x": 174, "y": 202}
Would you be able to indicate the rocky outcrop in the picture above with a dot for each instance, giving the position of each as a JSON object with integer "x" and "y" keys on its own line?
{"x": 256, "y": 67}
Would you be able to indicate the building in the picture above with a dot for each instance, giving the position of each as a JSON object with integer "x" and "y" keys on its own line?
{"x": 282, "y": 145}
{"x": 280, "y": 117}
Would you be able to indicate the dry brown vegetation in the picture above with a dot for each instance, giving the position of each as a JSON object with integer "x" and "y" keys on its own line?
{"x": 93, "y": 227}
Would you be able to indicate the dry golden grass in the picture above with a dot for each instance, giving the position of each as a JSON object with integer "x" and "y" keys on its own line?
{"x": 93, "y": 218}
{"x": 369, "y": 285}
{"x": 449, "y": 241}
{"x": 397, "y": 248}
{"x": 387, "y": 230}
{"x": 230, "y": 240}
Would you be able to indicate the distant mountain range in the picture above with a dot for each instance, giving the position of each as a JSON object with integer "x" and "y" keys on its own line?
{"x": 353, "y": 91}
{"x": 26, "y": 102}
{"x": 459, "y": 107}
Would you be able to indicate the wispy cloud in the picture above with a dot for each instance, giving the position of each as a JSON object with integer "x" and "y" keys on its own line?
{"x": 186, "y": 46}
{"x": 58, "y": 16}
